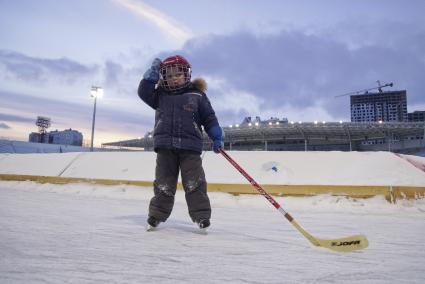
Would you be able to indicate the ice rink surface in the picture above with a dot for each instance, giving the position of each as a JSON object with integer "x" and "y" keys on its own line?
{"x": 81, "y": 233}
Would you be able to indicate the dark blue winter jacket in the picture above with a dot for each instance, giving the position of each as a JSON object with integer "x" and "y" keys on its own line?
{"x": 179, "y": 115}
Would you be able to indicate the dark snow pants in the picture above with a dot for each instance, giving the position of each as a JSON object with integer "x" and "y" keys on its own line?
{"x": 168, "y": 165}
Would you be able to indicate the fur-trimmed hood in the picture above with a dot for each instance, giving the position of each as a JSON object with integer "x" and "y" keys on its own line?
{"x": 200, "y": 84}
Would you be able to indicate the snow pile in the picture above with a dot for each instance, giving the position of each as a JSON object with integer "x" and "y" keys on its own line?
{"x": 317, "y": 168}
{"x": 274, "y": 168}
{"x": 36, "y": 164}
{"x": 417, "y": 161}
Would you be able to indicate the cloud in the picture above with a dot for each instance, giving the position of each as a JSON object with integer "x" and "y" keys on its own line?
{"x": 232, "y": 99}
{"x": 39, "y": 106}
{"x": 113, "y": 72}
{"x": 52, "y": 74}
{"x": 15, "y": 118}
{"x": 165, "y": 23}
{"x": 291, "y": 70}
{"x": 4, "y": 126}
{"x": 72, "y": 115}
{"x": 27, "y": 68}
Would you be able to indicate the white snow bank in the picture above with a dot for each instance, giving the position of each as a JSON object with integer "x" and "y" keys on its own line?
{"x": 114, "y": 165}
{"x": 36, "y": 164}
{"x": 274, "y": 168}
{"x": 417, "y": 161}
{"x": 317, "y": 168}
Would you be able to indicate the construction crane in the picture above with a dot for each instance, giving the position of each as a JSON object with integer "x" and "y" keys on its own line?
{"x": 366, "y": 91}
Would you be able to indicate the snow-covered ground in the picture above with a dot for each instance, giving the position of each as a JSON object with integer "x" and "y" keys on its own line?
{"x": 81, "y": 233}
{"x": 292, "y": 168}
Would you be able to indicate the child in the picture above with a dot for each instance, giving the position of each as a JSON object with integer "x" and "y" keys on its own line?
{"x": 181, "y": 108}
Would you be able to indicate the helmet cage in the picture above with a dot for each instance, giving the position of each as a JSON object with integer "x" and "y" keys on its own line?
{"x": 169, "y": 71}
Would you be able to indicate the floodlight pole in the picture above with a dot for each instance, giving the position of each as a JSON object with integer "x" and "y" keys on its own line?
{"x": 95, "y": 92}
{"x": 92, "y": 126}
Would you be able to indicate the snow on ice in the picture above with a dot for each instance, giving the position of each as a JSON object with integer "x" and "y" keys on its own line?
{"x": 83, "y": 233}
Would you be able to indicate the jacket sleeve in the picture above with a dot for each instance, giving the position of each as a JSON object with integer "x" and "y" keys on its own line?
{"x": 207, "y": 114}
{"x": 148, "y": 93}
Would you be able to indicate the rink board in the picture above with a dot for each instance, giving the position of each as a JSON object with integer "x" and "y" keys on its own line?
{"x": 391, "y": 193}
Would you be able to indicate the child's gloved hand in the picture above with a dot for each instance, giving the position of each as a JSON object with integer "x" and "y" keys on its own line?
{"x": 217, "y": 145}
{"x": 217, "y": 136}
{"x": 152, "y": 74}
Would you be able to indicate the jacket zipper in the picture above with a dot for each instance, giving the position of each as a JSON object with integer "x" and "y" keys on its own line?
{"x": 156, "y": 126}
{"x": 197, "y": 129}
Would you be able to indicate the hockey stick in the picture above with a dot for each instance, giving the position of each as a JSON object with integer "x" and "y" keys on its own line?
{"x": 350, "y": 243}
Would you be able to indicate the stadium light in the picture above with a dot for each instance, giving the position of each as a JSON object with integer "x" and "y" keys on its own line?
{"x": 292, "y": 122}
{"x": 340, "y": 121}
{"x": 277, "y": 122}
{"x": 237, "y": 125}
{"x": 256, "y": 124}
{"x": 96, "y": 92}
{"x": 315, "y": 122}
{"x": 270, "y": 123}
{"x": 324, "y": 122}
{"x": 250, "y": 124}
{"x": 300, "y": 122}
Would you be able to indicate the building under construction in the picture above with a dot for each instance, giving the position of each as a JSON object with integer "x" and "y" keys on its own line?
{"x": 382, "y": 106}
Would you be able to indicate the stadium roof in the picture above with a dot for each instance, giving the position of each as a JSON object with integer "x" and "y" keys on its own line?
{"x": 332, "y": 131}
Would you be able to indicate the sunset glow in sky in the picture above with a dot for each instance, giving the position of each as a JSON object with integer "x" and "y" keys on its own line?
{"x": 260, "y": 58}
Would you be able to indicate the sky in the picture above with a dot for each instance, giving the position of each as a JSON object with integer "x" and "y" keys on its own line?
{"x": 286, "y": 59}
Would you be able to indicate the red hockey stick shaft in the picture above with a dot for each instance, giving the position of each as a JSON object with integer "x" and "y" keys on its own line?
{"x": 349, "y": 243}
{"x": 258, "y": 187}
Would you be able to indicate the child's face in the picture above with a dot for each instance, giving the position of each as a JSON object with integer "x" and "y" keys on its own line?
{"x": 175, "y": 77}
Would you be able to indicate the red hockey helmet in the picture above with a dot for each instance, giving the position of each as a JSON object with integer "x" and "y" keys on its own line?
{"x": 175, "y": 72}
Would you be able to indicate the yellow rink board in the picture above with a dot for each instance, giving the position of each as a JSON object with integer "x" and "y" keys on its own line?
{"x": 391, "y": 193}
